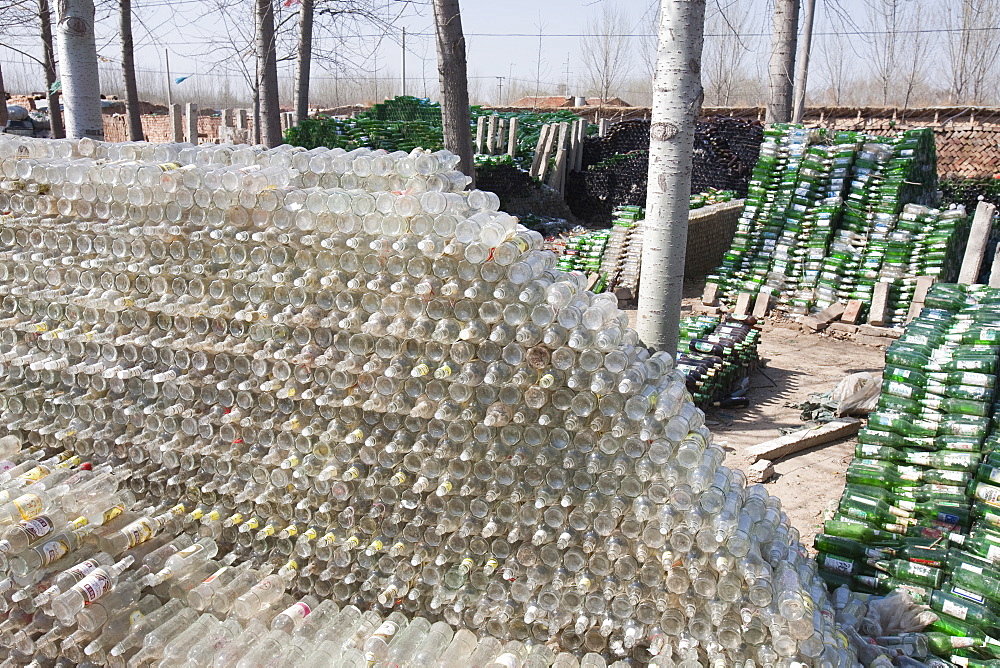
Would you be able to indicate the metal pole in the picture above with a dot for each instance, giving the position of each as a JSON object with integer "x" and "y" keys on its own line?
{"x": 170, "y": 101}
{"x": 404, "y": 61}
{"x": 802, "y": 67}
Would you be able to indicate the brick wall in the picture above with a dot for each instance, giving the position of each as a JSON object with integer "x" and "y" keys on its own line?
{"x": 157, "y": 128}
{"x": 21, "y": 101}
{"x": 710, "y": 234}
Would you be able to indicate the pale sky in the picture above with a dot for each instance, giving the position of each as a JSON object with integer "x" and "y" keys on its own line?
{"x": 502, "y": 41}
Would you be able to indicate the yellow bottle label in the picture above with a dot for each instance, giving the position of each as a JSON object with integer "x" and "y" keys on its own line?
{"x": 29, "y": 505}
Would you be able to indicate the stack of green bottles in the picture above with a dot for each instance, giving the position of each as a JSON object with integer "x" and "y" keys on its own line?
{"x": 921, "y": 508}
{"x": 710, "y": 197}
{"x": 623, "y": 255}
{"x": 584, "y": 252}
{"x": 824, "y": 221}
{"x": 715, "y": 355}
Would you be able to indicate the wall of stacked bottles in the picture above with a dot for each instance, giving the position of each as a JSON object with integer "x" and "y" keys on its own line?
{"x": 615, "y": 167}
{"x": 716, "y": 354}
{"x": 257, "y": 403}
{"x": 921, "y": 510}
{"x": 829, "y": 215}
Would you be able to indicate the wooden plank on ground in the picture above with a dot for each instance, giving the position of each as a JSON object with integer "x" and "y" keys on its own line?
{"x": 804, "y": 439}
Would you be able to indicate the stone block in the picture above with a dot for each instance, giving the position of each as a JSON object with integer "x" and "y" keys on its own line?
{"x": 711, "y": 295}
{"x": 743, "y": 303}
{"x": 879, "y": 313}
{"x": 887, "y": 332}
{"x": 843, "y": 328}
{"x": 762, "y": 305}
{"x": 831, "y": 312}
{"x": 853, "y": 311}
{"x": 811, "y": 324}
{"x": 876, "y": 341}
{"x": 760, "y": 472}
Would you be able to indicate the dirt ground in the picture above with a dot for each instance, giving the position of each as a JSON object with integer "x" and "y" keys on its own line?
{"x": 795, "y": 365}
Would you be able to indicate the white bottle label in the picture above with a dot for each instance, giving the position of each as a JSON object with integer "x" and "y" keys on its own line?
{"x": 38, "y": 527}
{"x": 94, "y": 586}
{"x": 53, "y": 551}
{"x": 954, "y": 609}
{"x": 83, "y": 569}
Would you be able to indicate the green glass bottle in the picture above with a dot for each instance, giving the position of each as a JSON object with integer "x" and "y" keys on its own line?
{"x": 942, "y": 644}
{"x": 884, "y": 584}
{"x": 982, "y": 545}
{"x": 946, "y": 512}
{"x": 872, "y": 451}
{"x": 839, "y": 564}
{"x": 987, "y": 493}
{"x": 861, "y": 533}
{"x": 945, "y": 459}
{"x": 935, "y": 557}
{"x": 908, "y": 571}
{"x": 953, "y": 626}
{"x": 978, "y": 580}
{"x": 987, "y": 472}
{"x": 966, "y": 610}
{"x": 869, "y": 510}
{"x": 846, "y": 547}
{"x": 873, "y": 476}
{"x": 951, "y": 493}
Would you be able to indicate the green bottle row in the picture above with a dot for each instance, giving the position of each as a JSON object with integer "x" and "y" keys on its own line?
{"x": 920, "y": 510}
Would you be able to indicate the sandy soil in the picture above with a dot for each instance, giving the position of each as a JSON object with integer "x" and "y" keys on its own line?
{"x": 795, "y": 365}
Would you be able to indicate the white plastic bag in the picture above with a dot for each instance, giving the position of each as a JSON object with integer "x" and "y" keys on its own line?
{"x": 857, "y": 394}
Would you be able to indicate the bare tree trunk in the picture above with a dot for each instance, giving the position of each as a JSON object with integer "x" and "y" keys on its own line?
{"x": 677, "y": 97}
{"x": 452, "y": 73}
{"x": 3, "y": 101}
{"x": 128, "y": 72}
{"x": 782, "y": 65}
{"x": 81, "y": 82}
{"x": 802, "y": 67}
{"x": 267, "y": 81}
{"x": 49, "y": 58}
{"x": 305, "y": 60}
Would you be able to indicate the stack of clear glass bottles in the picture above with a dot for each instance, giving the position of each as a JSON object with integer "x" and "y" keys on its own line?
{"x": 337, "y": 381}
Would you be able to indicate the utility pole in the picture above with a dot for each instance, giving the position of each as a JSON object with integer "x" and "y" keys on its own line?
{"x": 170, "y": 99}
{"x": 500, "y": 92}
{"x": 568, "y": 93}
{"x": 802, "y": 67}
{"x": 677, "y": 96}
{"x": 781, "y": 67}
{"x": 404, "y": 61}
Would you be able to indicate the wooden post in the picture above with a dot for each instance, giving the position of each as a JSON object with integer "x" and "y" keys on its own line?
{"x": 979, "y": 235}
{"x": 176, "y": 123}
{"x": 480, "y": 134}
{"x": 501, "y": 136}
{"x": 536, "y": 162}
{"x": 543, "y": 167}
{"x": 191, "y": 118}
{"x": 491, "y": 135}
{"x": 557, "y": 180}
{"x": 512, "y": 139}
{"x": 580, "y": 133}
